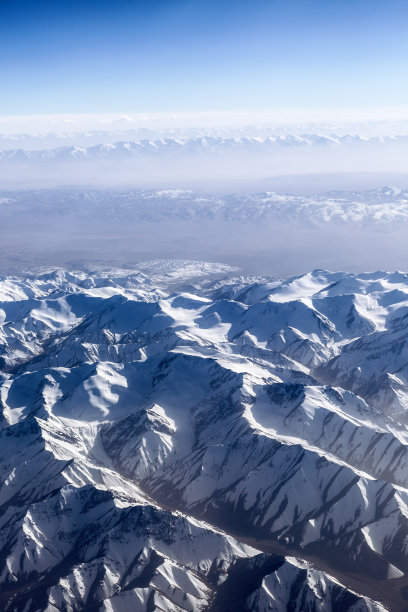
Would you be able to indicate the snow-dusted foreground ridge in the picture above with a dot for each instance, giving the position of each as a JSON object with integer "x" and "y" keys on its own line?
{"x": 182, "y": 438}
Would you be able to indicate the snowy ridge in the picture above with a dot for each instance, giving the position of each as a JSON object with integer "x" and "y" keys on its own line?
{"x": 198, "y": 145}
{"x": 169, "y": 430}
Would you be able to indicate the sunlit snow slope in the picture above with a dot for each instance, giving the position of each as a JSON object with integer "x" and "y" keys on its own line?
{"x": 179, "y": 437}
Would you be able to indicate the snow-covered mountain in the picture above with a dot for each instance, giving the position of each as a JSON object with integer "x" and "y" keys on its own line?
{"x": 199, "y": 145}
{"x": 382, "y": 207}
{"x": 180, "y": 437}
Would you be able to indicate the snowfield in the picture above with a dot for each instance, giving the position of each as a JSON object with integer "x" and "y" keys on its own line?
{"x": 181, "y": 437}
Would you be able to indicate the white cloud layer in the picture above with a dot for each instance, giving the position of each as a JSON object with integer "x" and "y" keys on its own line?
{"x": 395, "y": 120}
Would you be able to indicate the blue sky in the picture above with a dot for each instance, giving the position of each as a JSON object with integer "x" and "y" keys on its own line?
{"x": 71, "y": 56}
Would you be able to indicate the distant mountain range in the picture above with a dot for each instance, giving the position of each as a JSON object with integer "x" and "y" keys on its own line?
{"x": 200, "y": 145}
{"x": 375, "y": 208}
